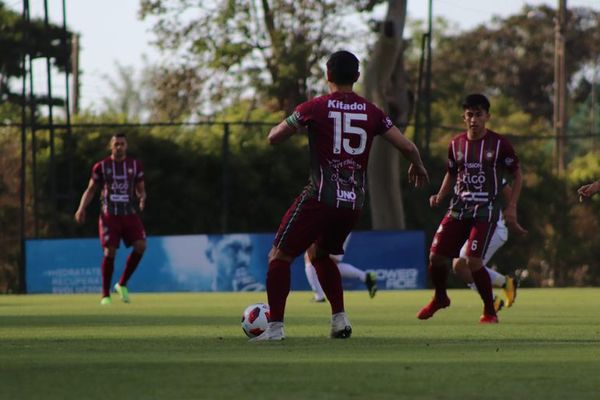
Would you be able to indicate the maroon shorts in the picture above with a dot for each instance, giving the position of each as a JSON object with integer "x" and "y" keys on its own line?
{"x": 308, "y": 221}
{"x": 452, "y": 234}
{"x": 113, "y": 228}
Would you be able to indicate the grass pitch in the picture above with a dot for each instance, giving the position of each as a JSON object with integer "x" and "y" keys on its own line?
{"x": 191, "y": 346}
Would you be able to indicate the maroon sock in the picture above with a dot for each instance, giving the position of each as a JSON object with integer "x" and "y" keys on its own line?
{"x": 331, "y": 282}
{"x": 439, "y": 278}
{"x": 484, "y": 287}
{"x": 108, "y": 266}
{"x": 278, "y": 287}
{"x": 130, "y": 266}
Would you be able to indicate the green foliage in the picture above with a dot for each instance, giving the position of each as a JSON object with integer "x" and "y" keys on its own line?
{"x": 35, "y": 40}
{"x": 270, "y": 50}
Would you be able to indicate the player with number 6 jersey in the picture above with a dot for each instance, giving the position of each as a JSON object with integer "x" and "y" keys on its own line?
{"x": 478, "y": 161}
{"x": 341, "y": 127}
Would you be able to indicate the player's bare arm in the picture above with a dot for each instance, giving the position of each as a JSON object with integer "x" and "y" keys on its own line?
{"x": 517, "y": 228}
{"x": 417, "y": 174}
{"x": 445, "y": 188}
{"x": 86, "y": 198}
{"x": 281, "y": 133}
{"x": 510, "y": 212}
{"x": 140, "y": 191}
{"x": 589, "y": 190}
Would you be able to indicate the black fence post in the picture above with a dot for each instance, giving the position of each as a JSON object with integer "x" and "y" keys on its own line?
{"x": 225, "y": 179}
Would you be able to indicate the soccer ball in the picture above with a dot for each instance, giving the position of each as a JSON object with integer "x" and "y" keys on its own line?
{"x": 255, "y": 319}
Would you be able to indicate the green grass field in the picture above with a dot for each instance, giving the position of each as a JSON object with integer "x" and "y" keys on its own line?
{"x": 190, "y": 346}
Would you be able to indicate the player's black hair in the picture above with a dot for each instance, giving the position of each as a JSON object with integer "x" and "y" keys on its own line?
{"x": 342, "y": 68}
{"x": 120, "y": 135}
{"x": 476, "y": 101}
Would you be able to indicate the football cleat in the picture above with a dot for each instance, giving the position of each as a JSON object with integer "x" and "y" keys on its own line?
{"x": 488, "y": 319}
{"x": 340, "y": 326}
{"x": 430, "y": 309}
{"x": 274, "y": 332}
{"x": 318, "y": 299}
{"x": 498, "y": 303}
{"x": 371, "y": 282}
{"x": 510, "y": 290}
{"x": 106, "y": 301}
{"x": 123, "y": 292}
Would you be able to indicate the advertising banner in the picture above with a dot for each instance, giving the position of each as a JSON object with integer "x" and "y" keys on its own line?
{"x": 231, "y": 262}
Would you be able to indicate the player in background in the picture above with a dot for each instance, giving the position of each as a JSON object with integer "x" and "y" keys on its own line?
{"x": 346, "y": 271}
{"x": 121, "y": 180}
{"x": 341, "y": 127}
{"x": 508, "y": 284}
{"x": 478, "y": 159}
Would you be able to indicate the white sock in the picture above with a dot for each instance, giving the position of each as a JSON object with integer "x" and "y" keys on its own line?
{"x": 313, "y": 281}
{"x": 498, "y": 280}
{"x": 350, "y": 271}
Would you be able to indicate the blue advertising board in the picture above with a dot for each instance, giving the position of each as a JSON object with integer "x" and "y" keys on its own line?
{"x": 232, "y": 262}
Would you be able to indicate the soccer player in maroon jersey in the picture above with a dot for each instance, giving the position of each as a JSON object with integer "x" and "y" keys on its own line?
{"x": 478, "y": 160}
{"x": 121, "y": 180}
{"x": 341, "y": 127}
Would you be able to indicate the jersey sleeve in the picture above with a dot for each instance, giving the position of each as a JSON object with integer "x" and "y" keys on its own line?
{"x": 384, "y": 122}
{"x": 508, "y": 158}
{"x": 301, "y": 115}
{"x": 97, "y": 175}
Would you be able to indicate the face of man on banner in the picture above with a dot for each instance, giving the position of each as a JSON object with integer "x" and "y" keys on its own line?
{"x": 231, "y": 256}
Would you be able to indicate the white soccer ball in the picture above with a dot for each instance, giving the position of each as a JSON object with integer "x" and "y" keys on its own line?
{"x": 255, "y": 319}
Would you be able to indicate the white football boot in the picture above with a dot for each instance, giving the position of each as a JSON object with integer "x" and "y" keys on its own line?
{"x": 340, "y": 326}
{"x": 274, "y": 332}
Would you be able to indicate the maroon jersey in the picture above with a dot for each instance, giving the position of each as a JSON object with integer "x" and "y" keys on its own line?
{"x": 117, "y": 180}
{"x": 341, "y": 128}
{"x": 479, "y": 166}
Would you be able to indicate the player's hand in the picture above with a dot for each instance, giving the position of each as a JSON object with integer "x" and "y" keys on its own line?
{"x": 434, "y": 200}
{"x": 589, "y": 189}
{"x": 417, "y": 175}
{"x": 510, "y": 216}
{"x": 80, "y": 216}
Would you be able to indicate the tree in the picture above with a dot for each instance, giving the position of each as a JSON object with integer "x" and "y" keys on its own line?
{"x": 33, "y": 39}
{"x": 514, "y": 57}
{"x": 269, "y": 49}
{"x": 385, "y": 83}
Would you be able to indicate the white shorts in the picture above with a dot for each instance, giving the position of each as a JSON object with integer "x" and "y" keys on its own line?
{"x": 498, "y": 239}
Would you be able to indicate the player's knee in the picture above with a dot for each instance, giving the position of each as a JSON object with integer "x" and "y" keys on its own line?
{"x": 110, "y": 252}
{"x": 436, "y": 259}
{"x": 459, "y": 264}
{"x": 139, "y": 246}
{"x": 277, "y": 254}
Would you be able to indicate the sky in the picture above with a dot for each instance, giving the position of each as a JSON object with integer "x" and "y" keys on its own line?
{"x": 111, "y": 33}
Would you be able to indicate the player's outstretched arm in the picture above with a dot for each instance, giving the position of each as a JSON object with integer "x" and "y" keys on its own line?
{"x": 281, "y": 132}
{"x": 417, "y": 174}
{"x": 86, "y": 198}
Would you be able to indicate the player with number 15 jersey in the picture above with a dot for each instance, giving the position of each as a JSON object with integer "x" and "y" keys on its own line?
{"x": 341, "y": 127}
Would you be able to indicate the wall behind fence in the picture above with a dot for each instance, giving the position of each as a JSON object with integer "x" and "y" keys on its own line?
{"x": 232, "y": 262}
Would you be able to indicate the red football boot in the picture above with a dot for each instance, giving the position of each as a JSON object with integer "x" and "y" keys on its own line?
{"x": 430, "y": 309}
{"x": 488, "y": 319}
